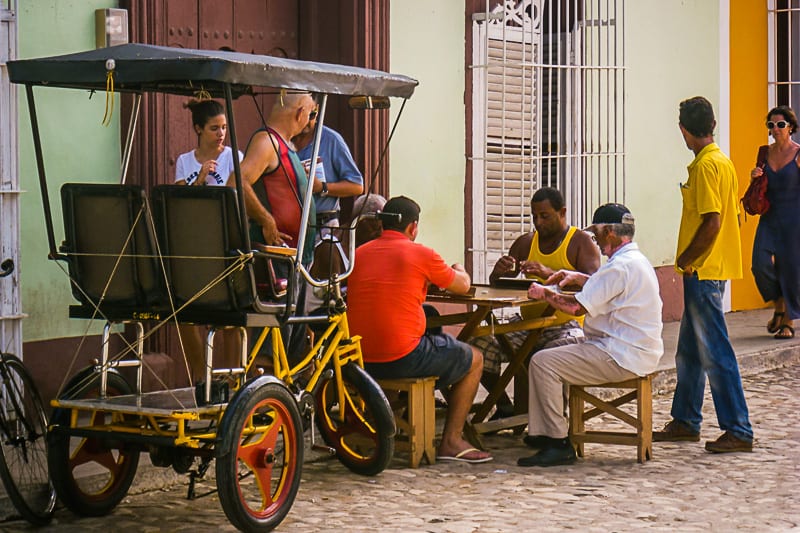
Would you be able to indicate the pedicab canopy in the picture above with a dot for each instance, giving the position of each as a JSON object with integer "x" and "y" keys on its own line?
{"x": 149, "y": 68}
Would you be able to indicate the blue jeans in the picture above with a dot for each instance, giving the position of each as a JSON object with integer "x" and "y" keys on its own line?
{"x": 705, "y": 350}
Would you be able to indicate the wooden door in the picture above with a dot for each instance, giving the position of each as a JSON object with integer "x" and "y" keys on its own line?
{"x": 265, "y": 27}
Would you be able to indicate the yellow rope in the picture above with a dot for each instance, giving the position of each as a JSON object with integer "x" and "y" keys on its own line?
{"x": 202, "y": 94}
{"x": 109, "y": 98}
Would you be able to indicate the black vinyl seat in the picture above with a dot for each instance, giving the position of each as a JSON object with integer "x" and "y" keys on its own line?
{"x": 110, "y": 247}
{"x": 210, "y": 274}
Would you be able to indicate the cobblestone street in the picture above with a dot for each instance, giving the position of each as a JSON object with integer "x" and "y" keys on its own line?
{"x": 683, "y": 488}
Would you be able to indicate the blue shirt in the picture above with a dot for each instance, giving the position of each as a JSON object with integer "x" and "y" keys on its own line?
{"x": 337, "y": 162}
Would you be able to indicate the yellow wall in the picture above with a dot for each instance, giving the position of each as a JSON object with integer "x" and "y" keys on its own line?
{"x": 749, "y": 106}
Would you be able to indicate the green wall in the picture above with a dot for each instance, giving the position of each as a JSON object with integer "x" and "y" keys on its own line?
{"x": 675, "y": 59}
{"x": 76, "y": 148}
{"x": 427, "y": 152}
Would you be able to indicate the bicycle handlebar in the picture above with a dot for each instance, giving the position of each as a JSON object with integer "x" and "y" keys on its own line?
{"x": 6, "y": 267}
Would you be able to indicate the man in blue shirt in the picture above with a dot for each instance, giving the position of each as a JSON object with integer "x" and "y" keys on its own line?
{"x": 340, "y": 177}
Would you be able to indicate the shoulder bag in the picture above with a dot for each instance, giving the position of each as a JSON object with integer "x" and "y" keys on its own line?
{"x": 755, "y": 200}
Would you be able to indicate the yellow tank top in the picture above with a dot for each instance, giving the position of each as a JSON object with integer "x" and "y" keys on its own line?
{"x": 556, "y": 260}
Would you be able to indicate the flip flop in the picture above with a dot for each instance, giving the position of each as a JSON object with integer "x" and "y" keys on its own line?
{"x": 781, "y": 334}
{"x": 462, "y": 457}
{"x": 775, "y": 323}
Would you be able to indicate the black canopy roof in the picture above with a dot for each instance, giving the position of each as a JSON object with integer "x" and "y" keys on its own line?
{"x": 144, "y": 67}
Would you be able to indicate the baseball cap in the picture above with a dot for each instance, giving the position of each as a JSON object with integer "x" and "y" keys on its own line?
{"x": 612, "y": 214}
{"x": 399, "y": 211}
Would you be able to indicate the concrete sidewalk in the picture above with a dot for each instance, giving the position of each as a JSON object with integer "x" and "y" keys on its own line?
{"x": 756, "y": 350}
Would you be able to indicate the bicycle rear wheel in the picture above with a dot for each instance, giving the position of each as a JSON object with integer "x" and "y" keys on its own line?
{"x": 23, "y": 444}
{"x": 361, "y": 429}
{"x": 91, "y": 474}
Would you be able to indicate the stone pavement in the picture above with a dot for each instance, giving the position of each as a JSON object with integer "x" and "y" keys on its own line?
{"x": 683, "y": 488}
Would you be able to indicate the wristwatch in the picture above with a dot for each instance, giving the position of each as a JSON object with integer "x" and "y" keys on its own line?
{"x": 324, "y": 191}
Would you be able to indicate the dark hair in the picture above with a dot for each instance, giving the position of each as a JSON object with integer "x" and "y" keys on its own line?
{"x": 398, "y": 213}
{"x": 204, "y": 110}
{"x": 787, "y": 112}
{"x": 551, "y": 194}
{"x": 696, "y": 115}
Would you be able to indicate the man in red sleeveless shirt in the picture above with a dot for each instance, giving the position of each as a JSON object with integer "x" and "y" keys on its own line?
{"x": 385, "y": 293}
{"x": 273, "y": 179}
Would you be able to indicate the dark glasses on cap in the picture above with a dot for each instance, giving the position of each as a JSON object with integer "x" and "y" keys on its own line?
{"x": 781, "y": 124}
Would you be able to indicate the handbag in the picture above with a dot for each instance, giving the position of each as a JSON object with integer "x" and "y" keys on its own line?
{"x": 755, "y": 200}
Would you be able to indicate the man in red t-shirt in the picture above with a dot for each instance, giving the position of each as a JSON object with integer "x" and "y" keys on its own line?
{"x": 385, "y": 294}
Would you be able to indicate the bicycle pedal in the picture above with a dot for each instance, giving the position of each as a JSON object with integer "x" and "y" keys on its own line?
{"x": 322, "y": 448}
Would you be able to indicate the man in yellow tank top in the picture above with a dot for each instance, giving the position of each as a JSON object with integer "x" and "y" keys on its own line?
{"x": 553, "y": 246}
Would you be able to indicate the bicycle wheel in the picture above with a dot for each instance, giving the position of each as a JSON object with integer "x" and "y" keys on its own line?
{"x": 362, "y": 429}
{"x": 23, "y": 444}
{"x": 260, "y": 455}
{"x": 91, "y": 475}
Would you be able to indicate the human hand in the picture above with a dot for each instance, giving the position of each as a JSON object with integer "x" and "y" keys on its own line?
{"x": 567, "y": 277}
{"x": 271, "y": 234}
{"x": 205, "y": 169}
{"x": 535, "y": 268}
{"x": 536, "y": 291}
{"x": 506, "y": 265}
{"x": 756, "y": 172}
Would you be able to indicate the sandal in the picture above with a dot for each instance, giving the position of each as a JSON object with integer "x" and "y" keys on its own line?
{"x": 782, "y": 332}
{"x": 775, "y": 323}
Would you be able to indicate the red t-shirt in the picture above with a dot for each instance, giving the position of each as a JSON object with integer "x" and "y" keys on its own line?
{"x": 385, "y": 293}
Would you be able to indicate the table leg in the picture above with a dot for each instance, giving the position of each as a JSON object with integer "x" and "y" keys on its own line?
{"x": 516, "y": 363}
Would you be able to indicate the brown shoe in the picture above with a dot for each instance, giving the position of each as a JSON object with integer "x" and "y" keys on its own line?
{"x": 728, "y": 443}
{"x": 675, "y": 431}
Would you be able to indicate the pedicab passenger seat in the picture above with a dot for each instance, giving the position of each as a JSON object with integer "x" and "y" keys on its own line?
{"x": 110, "y": 251}
{"x": 211, "y": 277}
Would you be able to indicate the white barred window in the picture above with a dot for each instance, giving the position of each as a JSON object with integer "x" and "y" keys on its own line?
{"x": 784, "y": 60}
{"x": 547, "y": 84}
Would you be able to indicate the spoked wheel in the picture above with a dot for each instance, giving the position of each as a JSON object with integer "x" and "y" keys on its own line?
{"x": 259, "y": 455}
{"x": 23, "y": 444}
{"x": 91, "y": 475}
{"x": 361, "y": 428}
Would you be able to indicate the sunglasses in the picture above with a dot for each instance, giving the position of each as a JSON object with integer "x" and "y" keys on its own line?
{"x": 781, "y": 124}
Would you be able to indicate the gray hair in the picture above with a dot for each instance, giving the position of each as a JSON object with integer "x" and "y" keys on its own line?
{"x": 624, "y": 229}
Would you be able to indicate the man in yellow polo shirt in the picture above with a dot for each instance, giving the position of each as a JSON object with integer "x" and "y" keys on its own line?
{"x": 709, "y": 253}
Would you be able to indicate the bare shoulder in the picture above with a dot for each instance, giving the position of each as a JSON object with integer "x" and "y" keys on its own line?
{"x": 521, "y": 247}
{"x": 583, "y": 253}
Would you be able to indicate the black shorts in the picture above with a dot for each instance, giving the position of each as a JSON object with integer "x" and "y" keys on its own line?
{"x": 438, "y": 355}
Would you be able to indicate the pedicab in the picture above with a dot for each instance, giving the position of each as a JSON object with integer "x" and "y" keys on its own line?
{"x": 134, "y": 260}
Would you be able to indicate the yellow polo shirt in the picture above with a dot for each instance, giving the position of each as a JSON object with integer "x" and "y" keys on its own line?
{"x": 712, "y": 187}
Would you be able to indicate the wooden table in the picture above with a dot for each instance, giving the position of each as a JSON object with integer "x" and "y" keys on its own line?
{"x": 480, "y": 321}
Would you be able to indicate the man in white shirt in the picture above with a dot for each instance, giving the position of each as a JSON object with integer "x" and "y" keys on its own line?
{"x": 622, "y": 327}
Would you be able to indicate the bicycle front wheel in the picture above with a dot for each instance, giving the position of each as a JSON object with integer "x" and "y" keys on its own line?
{"x": 23, "y": 444}
{"x": 259, "y": 455}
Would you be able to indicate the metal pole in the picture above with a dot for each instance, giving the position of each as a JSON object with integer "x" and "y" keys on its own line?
{"x": 37, "y": 148}
{"x": 126, "y": 157}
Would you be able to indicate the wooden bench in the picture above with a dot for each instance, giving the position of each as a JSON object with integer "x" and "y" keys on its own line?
{"x": 415, "y": 418}
{"x": 642, "y": 423}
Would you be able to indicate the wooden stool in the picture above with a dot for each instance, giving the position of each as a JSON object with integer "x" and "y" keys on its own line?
{"x": 416, "y": 419}
{"x": 642, "y": 438}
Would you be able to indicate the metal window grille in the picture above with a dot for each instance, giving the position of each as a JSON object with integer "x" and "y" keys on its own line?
{"x": 784, "y": 60}
{"x": 10, "y": 305}
{"x": 548, "y": 82}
